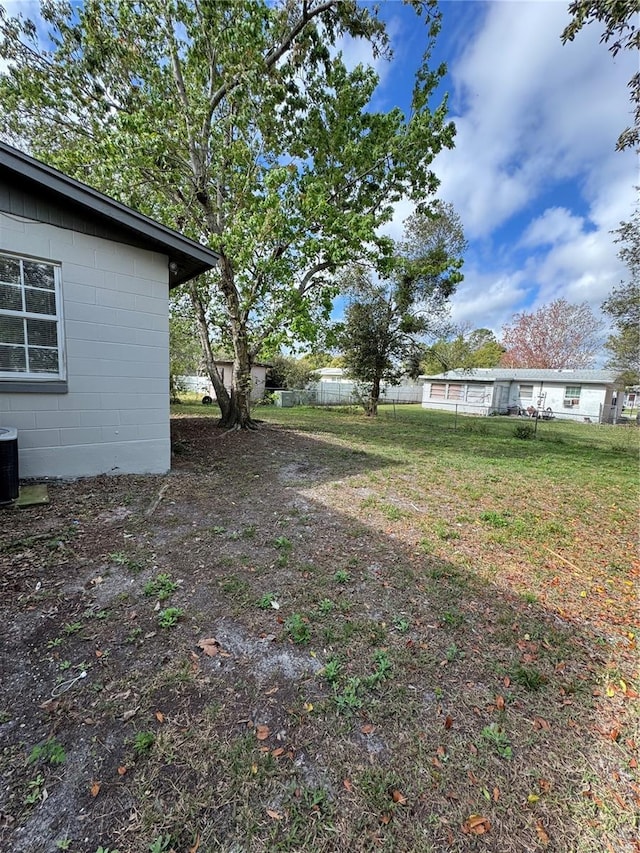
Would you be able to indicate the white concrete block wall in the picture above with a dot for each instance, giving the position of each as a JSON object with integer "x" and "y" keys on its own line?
{"x": 115, "y": 416}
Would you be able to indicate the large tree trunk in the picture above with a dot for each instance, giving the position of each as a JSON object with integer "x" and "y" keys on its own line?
{"x": 238, "y": 414}
{"x": 222, "y": 395}
{"x": 374, "y": 397}
{"x": 235, "y": 407}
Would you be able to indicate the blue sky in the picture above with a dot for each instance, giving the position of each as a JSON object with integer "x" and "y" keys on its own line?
{"x": 534, "y": 175}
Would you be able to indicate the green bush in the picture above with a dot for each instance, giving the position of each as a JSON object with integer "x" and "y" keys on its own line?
{"x": 524, "y": 431}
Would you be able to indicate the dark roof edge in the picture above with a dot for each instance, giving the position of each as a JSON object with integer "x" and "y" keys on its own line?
{"x": 75, "y": 191}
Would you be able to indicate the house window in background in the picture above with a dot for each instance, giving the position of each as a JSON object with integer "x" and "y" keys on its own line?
{"x": 31, "y": 338}
{"x": 438, "y": 390}
{"x": 526, "y": 392}
{"x": 571, "y": 396}
{"x": 455, "y": 391}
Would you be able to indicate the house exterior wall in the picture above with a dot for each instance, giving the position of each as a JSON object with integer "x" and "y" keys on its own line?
{"x": 114, "y": 417}
{"x": 473, "y": 396}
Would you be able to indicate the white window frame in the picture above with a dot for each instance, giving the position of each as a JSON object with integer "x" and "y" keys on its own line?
{"x": 33, "y": 375}
{"x": 572, "y": 399}
{"x": 522, "y": 389}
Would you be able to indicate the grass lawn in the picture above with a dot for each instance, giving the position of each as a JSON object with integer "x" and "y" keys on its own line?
{"x": 336, "y": 633}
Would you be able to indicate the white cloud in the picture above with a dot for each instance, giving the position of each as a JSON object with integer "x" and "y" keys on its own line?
{"x": 556, "y": 225}
{"x": 485, "y": 300}
{"x": 531, "y": 112}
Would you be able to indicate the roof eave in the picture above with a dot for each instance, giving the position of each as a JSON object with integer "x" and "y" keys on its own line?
{"x": 189, "y": 258}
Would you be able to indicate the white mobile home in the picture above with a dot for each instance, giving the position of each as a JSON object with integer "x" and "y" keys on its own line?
{"x": 582, "y": 395}
{"x": 84, "y": 328}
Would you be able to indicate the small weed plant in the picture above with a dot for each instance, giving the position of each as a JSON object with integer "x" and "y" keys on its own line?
{"x": 298, "y": 629}
{"x": 495, "y": 736}
{"x": 495, "y": 519}
{"x": 143, "y": 743}
{"x": 528, "y": 677}
{"x": 51, "y": 751}
{"x": 267, "y": 600}
{"x": 161, "y": 844}
{"x": 169, "y": 617}
{"x": 35, "y": 790}
{"x": 162, "y": 587}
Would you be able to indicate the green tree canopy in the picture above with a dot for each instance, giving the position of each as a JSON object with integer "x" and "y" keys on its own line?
{"x": 388, "y": 317}
{"x": 236, "y": 123}
{"x": 462, "y": 350}
{"x": 290, "y": 372}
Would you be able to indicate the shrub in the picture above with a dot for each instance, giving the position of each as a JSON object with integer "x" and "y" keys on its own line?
{"x": 524, "y": 431}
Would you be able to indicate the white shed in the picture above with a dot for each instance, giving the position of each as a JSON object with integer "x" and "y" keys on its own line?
{"x": 582, "y": 395}
{"x": 84, "y": 324}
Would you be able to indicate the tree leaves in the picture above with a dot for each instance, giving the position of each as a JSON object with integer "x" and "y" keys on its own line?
{"x": 236, "y": 124}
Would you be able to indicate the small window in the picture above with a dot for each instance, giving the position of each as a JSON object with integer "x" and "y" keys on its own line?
{"x": 526, "y": 392}
{"x": 438, "y": 390}
{"x": 455, "y": 391}
{"x": 571, "y": 396}
{"x": 30, "y": 319}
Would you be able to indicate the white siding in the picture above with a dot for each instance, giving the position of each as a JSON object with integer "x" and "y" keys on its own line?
{"x": 115, "y": 416}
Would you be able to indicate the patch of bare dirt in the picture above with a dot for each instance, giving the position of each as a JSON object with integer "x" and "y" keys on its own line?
{"x": 163, "y": 658}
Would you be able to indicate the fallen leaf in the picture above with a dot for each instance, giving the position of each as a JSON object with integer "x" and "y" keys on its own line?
{"x": 98, "y": 653}
{"x": 506, "y": 681}
{"x": 95, "y": 789}
{"x": 196, "y": 845}
{"x": 209, "y": 645}
{"x": 347, "y": 784}
{"x": 541, "y": 723}
{"x": 274, "y": 814}
{"x": 544, "y": 785}
{"x": 500, "y": 703}
{"x": 130, "y": 713}
{"x": 367, "y": 729}
{"x": 122, "y": 770}
{"x": 262, "y": 732}
{"x": 399, "y": 797}
{"x": 448, "y": 722}
{"x": 308, "y": 706}
{"x": 475, "y": 824}
{"x": 496, "y": 795}
{"x": 160, "y": 716}
{"x": 278, "y": 752}
{"x": 384, "y": 819}
{"x": 254, "y": 769}
{"x": 542, "y": 835}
